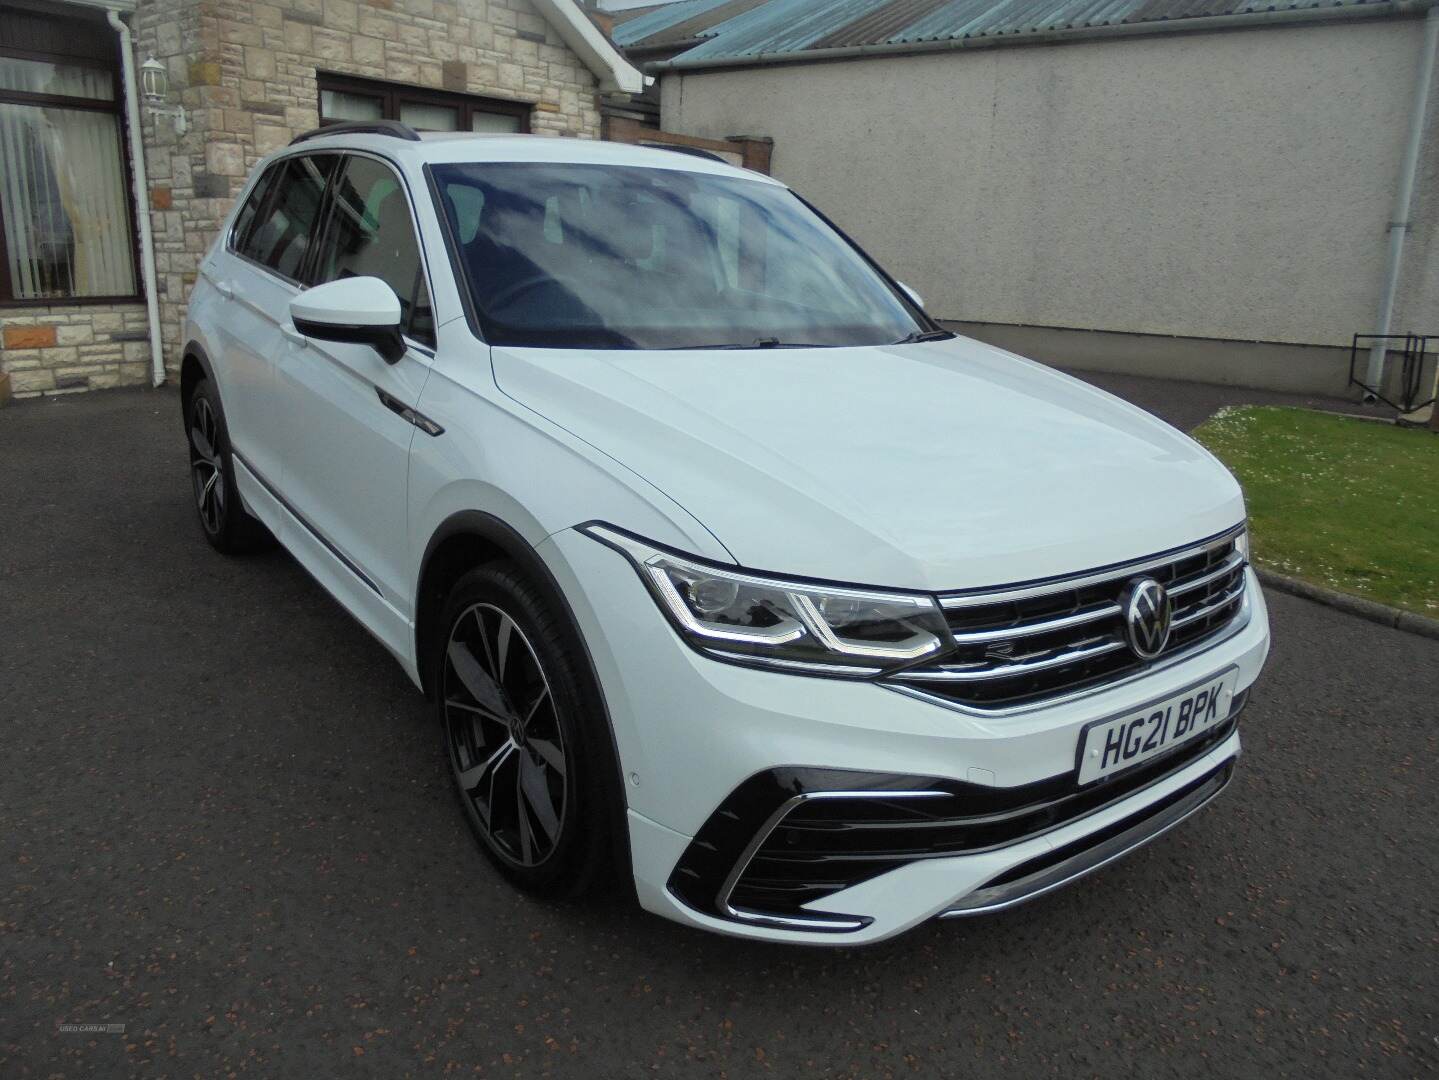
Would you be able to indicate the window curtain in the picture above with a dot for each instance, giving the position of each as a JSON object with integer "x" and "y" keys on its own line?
{"x": 62, "y": 188}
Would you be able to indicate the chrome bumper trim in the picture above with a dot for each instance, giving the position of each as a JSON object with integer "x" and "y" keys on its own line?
{"x": 985, "y": 900}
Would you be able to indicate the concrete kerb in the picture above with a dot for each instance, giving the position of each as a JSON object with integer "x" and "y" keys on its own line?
{"x": 1354, "y": 605}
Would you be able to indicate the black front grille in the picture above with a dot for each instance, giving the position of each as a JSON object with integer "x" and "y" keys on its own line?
{"x": 788, "y": 837}
{"x": 1019, "y": 647}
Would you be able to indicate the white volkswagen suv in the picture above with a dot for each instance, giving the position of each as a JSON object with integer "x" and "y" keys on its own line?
{"x": 722, "y": 563}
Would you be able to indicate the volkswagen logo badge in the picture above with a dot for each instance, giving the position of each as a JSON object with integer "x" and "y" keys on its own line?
{"x": 1147, "y": 612}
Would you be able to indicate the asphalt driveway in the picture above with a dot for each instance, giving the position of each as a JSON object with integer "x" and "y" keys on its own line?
{"x": 225, "y": 825}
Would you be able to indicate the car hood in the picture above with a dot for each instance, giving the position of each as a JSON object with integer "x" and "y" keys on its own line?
{"x": 936, "y": 465}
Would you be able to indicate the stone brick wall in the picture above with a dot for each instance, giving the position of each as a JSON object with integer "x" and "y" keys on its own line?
{"x": 245, "y": 73}
{"x": 60, "y": 350}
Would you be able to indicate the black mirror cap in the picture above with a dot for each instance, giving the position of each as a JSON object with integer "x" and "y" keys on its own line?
{"x": 385, "y": 340}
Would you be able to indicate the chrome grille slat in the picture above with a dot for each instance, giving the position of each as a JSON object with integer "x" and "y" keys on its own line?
{"x": 1021, "y": 646}
{"x": 1203, "y": 612}
{"x": 949, "y": 673}
{"x": 1231, "y": 564}
{"x": 1079, "y": 618}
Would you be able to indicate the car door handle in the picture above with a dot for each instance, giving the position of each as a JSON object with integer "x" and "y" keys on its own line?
{"x": 225, "y": 289}
{"x": 295, "y": 338}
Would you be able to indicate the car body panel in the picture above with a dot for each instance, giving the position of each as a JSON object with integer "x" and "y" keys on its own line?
{"x": 500, "y": 457}
{"x": 246, "y": 342}
{"x": 355, "y": 453}
{"x": 942, "y": 465}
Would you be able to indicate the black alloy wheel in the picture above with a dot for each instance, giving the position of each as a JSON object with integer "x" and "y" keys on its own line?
{"x": 207, "y": 468}
{"x": 507, "y": 748}
{"x": 526, "y": 735}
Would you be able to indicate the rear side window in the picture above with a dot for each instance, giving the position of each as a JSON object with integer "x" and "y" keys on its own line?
{"x": 245, "y": 220}
{"x": 278, "y": 233}
{"x": 370, "y": 233}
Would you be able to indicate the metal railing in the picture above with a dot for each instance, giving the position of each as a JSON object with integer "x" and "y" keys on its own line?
{"x": 1415, "y": 353}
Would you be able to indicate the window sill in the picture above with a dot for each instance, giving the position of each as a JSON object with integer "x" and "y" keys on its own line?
{"x": 70, "y": 301}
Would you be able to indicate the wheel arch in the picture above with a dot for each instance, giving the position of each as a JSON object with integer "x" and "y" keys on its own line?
{"x": 195, "y": 367}
{"x": 464, "y": 540}
{"x": 467, "y": 539}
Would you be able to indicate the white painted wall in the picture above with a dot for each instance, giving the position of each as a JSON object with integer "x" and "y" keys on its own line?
{"x": 1219, "y": 185}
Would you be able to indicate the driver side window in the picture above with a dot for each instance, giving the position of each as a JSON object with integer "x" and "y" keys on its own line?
{"x": 370, "y": 234}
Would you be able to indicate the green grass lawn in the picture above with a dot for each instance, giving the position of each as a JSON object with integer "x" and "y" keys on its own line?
{"x": 1350, "y": 504}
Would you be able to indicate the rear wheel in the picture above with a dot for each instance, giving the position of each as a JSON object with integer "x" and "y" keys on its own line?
{"x": 225, "y": 522}
{"x": 525, "y": 734}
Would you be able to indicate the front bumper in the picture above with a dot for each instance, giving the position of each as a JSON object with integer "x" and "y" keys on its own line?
{"x": 690, "y": 731}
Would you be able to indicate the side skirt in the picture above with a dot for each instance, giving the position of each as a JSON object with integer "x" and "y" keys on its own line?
{"x": 339, "y": 577}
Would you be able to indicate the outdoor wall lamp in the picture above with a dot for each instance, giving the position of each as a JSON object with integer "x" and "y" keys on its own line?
{"x": 155, "y": 88}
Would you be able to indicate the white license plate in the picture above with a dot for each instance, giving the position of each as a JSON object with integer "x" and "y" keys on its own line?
{"x": 1110, "y": 746}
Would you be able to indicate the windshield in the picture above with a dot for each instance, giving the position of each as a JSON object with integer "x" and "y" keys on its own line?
{"x": 612, "y": 257}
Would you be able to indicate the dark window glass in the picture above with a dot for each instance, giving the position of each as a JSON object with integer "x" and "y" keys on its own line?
{"x": 422, "y": 316}
{"x": 344, "y": 97}
{"x": 250, "y": 212}
{"x": 279, "y": 236}
{"x": 602, "y": 256}
{"x": 370, "y": 234}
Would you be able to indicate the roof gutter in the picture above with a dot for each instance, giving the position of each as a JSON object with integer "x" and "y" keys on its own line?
{"x": 1198, "y": 24}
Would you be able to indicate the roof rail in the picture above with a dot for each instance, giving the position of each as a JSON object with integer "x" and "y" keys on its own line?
{"x": 693, "y": 151}
{"x": 393, "y": 128}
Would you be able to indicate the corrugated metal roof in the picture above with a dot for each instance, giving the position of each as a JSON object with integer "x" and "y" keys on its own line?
{"x": 794, "y": 26}
{"x": 780, "y": 26}
{"x": 982, "y": 18}
{"x": 878, "y": 25}
{"x": 633, "y": 31}
{"x": 705, "y": 24}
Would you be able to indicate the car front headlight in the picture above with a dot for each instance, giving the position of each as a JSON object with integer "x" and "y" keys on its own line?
{"x": 1241, "y": 543}
{"x": 759, "y": 619}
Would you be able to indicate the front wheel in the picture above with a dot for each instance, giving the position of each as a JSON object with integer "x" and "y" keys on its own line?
{"x": 525, "y": 734}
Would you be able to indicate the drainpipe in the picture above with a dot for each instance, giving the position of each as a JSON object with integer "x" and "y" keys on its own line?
{"x": 1399, "y": 222}
{"x": 140, "y": 187}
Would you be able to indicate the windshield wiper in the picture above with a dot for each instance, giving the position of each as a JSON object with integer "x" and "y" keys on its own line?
{"x": 923, "y": 335}
{"x": 698, "y": 348}
{"x": 757, "y": 343}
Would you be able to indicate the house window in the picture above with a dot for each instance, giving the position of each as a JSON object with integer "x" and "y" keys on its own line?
{"x": 65, "y": 218}
{"x": 343, "y": 98}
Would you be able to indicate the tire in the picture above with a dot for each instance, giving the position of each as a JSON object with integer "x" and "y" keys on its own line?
{"x": 525, "y": 734}
{"x": 223, "y": 519}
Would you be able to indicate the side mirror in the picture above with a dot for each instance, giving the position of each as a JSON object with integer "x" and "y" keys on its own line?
{"x": 918, "y": 300}
{"x": 357, "y": 310}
